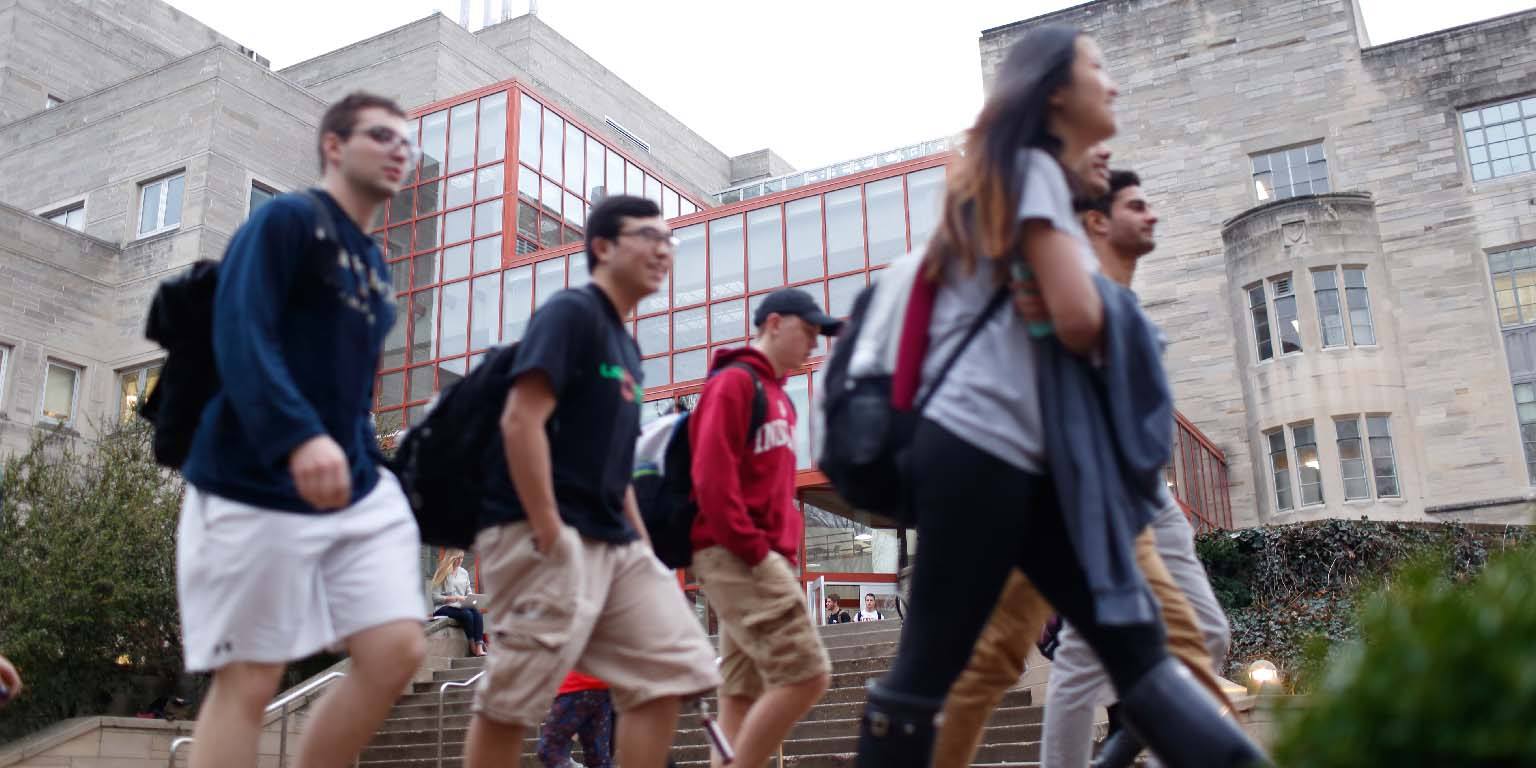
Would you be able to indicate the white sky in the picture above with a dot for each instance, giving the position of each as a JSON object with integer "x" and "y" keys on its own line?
{"x": 818, "y": 81}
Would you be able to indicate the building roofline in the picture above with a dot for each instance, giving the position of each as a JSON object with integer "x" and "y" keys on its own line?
{"x": 116, "y": 248}
{"x": 367, "y": 40}
{"x": 1037, "y": 19}
{"x": 1347, "y": 196}
{"x": 1531, "y": 12}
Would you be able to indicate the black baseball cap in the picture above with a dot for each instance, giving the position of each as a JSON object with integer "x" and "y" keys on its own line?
{"x": 793, "y": 301}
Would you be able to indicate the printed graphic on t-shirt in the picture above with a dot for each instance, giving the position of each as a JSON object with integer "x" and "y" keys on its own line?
{"x": 629, "y": 389}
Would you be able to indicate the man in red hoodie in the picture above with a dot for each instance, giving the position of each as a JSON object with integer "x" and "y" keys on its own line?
{"x": 746, "y": 537}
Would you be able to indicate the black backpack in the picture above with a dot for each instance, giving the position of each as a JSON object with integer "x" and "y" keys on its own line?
{"x": 440, "y": 460}
{"x": 663, "y": 478}
{"x": 864, "y": 452}
{"x": 181, "y": 321}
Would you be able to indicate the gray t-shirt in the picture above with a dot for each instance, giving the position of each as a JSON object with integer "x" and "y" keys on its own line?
{"x": 990, "y": 398}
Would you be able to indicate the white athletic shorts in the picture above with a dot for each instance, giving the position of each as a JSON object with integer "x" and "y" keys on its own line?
{"x": 259, "y": 585}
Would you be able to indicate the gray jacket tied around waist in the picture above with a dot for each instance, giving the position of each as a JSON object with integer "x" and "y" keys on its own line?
{"x": 1108, "y": 436}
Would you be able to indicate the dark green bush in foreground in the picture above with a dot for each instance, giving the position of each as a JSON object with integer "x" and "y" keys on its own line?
{"x": 1445, "y": 675}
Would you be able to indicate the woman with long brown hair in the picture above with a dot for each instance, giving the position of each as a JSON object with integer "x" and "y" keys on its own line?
{"x": 981, "y": 480}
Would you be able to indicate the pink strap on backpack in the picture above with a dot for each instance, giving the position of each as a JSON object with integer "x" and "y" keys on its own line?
{"x": 912, "y": 347}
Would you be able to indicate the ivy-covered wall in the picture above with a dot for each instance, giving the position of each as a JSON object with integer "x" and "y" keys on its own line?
{"x": 1285, "y": 585}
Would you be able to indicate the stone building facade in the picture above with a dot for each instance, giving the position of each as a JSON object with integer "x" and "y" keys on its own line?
{"x": 1335, "y": 220}
{"x": 134, "y": 140}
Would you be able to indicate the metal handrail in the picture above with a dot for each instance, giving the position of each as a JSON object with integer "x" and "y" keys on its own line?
{"x": 442, "y": 693}
{"x": 280, "y": 704}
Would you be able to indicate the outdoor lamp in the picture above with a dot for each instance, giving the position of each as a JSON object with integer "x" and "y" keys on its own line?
{"x": 1263, "y": 673}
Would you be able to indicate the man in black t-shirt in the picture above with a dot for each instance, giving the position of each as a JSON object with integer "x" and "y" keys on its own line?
{"x": 573, "y": 582}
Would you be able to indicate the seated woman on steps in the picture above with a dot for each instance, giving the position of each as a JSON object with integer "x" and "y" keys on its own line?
{"x": 451, "y": 594}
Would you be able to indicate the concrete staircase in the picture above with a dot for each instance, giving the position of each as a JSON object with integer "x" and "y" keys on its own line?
{"x": 825, "y": 738}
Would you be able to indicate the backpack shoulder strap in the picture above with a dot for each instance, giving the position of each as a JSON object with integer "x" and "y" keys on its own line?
{"x": 325, "y": 224}
{"x": 998, "y": 299}
{"x": 759, "y": 401}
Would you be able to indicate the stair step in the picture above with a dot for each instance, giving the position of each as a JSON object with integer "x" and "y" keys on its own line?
{"x": 869, "y": 661}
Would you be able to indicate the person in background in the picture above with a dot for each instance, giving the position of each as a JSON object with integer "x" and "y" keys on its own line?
{"x": 869, "y": 612}
{"x": 10, "y": 681}
{"x": 835, "y": 614}
{"x": 451, "y": 593}
{"x": 746, "y": 537}
{"x": 583, "y": 709}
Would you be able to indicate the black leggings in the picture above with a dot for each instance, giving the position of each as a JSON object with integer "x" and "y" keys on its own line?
{"x": 468, "y": 618}
{"x": 978, "y": 518}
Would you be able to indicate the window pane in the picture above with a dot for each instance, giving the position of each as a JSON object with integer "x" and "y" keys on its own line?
{"x": 575, "y": 213}
{"x": 493, "y": 128}
{"x": 423, "y": 323}
{"x": 1261, "y": 331}
{"x": 656, "y": 371}
{"x": 797, "y": 387}
{"x": 1330, "y": 318}
{"x": 615, "y": 183}
{"x": 429, "y": 199}
{"x": 174, "y": 187}
{"x": 527, "y": 221}
{"x": 456, "y": 226}
{"x": 528, "y": 120}
{"x": 653, "y": 189}
{"x": 426, "y": 233}
{"x": 668, "y": 203}
{"x": 887, "y": 220}
{"x": 841, "y": 293}
{"x": 548, "y": 280}
{"x": 550, "y": 198}
{"x": 460, "y": 190}
{"x": 728, "y": 321}
{"x": 259, "y": 196}
{"x": 594, "y": 188}
{"x": 634, "y": 179}
{"x": 484, "y": 313}
{"x": 1360, "y": 323}
{"x": 1290, "y": 326}
{"x": 925, "y": 198}
{"x": 400, "y": 275}
{"x": 651, "y": 335}
{"x": 554, "y": 131}
{"x": 1280, "y": 469}
{"x": 662, "y": 298}
{"x": 424, "y": 269}
{"x": 1383, "y": 462}
{"x": 487, "y": 254}
{"x": 489, "y": 181}
{"x": 516, "y": 302}
{"x": 765, "y": 249}
{"x": 1307, "y": 465}
{"x": 688, "y": 328}
{"x": 461, "y": 138}
{"x": 549, "y": 231}
{"x": 575, "y": 158}
{"x": 725, "y": 258}
{"x": 393, "y": 355}
{"x": 688, "y": 366}
{"x": 400, "y": 204}
{"x": 488, "y": 218}
{"x": 688, "y": 267}
{"x": 399, "y": 240}
{"x": 455, "y": 323}
{"x": 845, "y": 231}
{"x": 391, "y": 389}
{"x": 577, "y": 273}
{"x": 421, "y": 382}
{"x": 803, "y": 232}
{"x": 434, "y": 140}
{"x": 450, "y": 372}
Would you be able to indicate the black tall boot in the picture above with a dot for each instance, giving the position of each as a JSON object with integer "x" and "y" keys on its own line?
{"x": 1169, "y": 712}
{"x": 1119, "y": 751}
{"x": 897, "y": 730}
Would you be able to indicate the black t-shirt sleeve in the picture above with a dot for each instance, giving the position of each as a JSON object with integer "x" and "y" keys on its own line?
{"x": 558, "y": 340}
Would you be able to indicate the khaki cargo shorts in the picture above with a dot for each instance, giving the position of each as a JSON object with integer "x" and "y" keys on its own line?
{"x": 612, "y": 611}
{"x": 766, "y": 636}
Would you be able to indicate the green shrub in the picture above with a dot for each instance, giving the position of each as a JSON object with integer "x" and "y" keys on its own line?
{"x": 88, "y": 576}
{"x": 1445, "y": 675}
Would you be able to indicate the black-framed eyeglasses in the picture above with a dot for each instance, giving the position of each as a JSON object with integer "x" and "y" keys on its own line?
{"x": 391, "y": 138}
{"x": 655, "y": 236}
